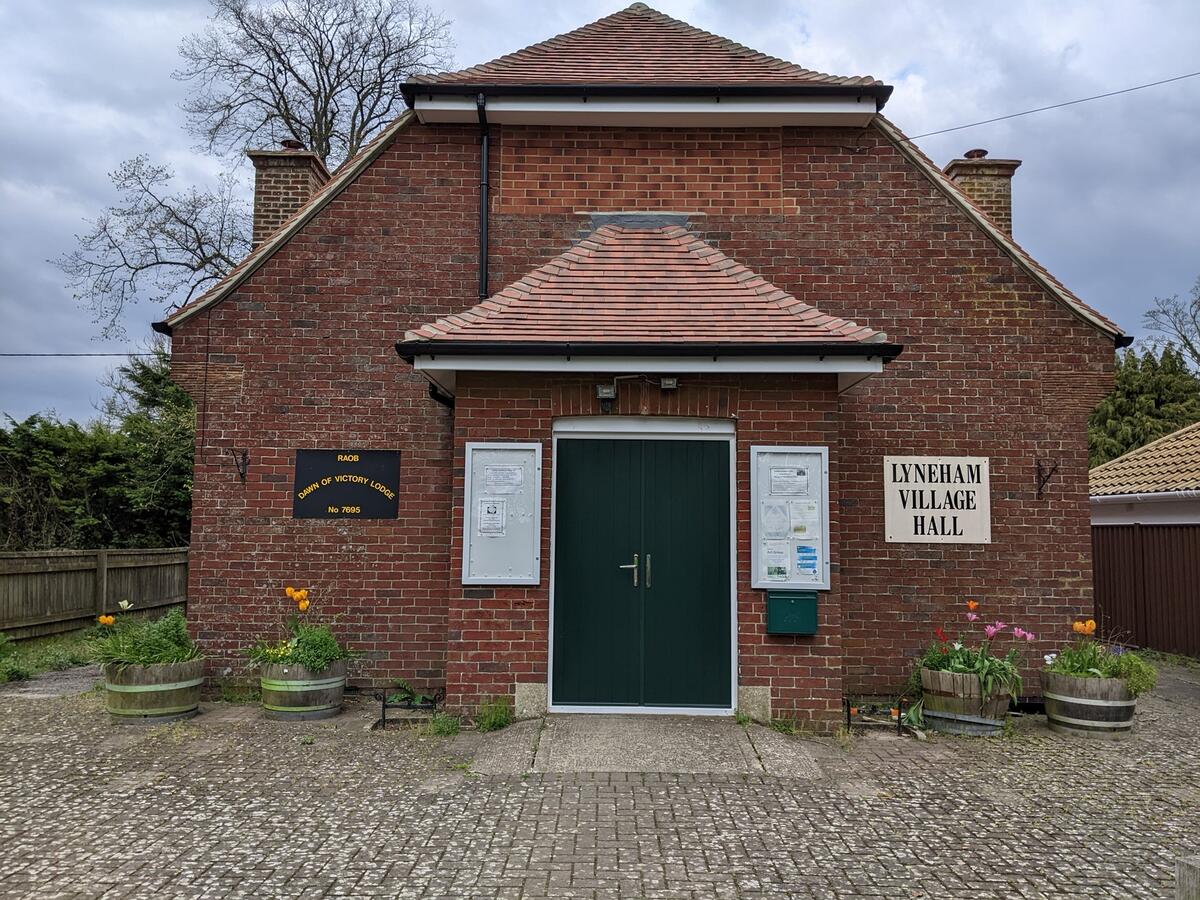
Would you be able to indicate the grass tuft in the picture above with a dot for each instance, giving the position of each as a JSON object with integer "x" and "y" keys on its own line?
{"x": 494, "y": 715}
{"x": 443, "y": 725}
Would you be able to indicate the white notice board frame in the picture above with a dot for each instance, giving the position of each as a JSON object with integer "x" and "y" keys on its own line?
{"x": 762, "y": 459}
{"x": 506, "y": 546}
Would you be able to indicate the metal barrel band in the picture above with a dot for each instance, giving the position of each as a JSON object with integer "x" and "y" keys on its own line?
{"x": 1089, "y": 723}
{"x": 297, "y": 709}
{"x": 147, "y": 688}
{"x": 1087, "y": 701}
{"x": 271, "y": 684}
{"x": 153, "y": 713}
{"x": 962, "y": 717}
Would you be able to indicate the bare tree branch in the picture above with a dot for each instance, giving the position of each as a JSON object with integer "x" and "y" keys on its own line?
{"x": 1177, "y": 321}
{"x": 156, "y": 244}
{"x": 327, "y": 73}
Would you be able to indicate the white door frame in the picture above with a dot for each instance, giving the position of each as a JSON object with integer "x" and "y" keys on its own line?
{"x": 643, "y": 428}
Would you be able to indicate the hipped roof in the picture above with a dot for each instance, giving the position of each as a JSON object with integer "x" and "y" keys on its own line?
{"x": 652, "y": 287}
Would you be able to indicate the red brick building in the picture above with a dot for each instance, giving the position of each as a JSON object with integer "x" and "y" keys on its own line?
{"x": 708, "y": 389}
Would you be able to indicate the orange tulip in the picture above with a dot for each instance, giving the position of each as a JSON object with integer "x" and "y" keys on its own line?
{"x": 972, "y": 605}
{"x": 290, "y": 591}
{"x": 1089, "y": 627}
{"x": 301, "y": 594}
{"x": 303, "y": 604}
{"x": 1077, "y": 627}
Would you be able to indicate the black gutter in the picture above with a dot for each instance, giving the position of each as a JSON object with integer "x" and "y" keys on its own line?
{"x": 410, "y": 350}
{"x": 484, "y": 187}
{"x": 1123, "y": 340}
{"x": 880, "y": 92}
{"x": 161, "y": 328}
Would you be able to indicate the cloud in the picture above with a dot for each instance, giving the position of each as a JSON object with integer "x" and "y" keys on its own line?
{"x": 1105, "y": 198}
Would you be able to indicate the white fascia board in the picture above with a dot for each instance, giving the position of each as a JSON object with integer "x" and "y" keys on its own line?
{"x": 651, "y": 111}
{"x": 442, "y": 370}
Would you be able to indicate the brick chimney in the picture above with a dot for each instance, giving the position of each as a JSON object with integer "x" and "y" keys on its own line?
{"x": 988, "y": 182}
{"x": 284, "y": 180}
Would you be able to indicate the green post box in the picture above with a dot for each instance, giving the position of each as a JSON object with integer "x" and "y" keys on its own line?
{"x": 791, "y": 612}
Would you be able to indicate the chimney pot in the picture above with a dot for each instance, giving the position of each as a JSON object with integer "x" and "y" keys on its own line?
{"x": 988, "y": 182}
{"x": 292, "y": 144}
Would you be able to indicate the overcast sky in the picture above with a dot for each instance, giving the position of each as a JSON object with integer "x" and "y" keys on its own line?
{"x": 1106, "y": 198}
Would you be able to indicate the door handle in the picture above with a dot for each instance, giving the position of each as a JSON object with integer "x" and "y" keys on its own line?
{"x": 648, "y": 575}
{"x": 633, "y": 565}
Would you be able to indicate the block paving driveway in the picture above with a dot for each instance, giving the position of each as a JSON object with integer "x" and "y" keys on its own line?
{"x": 228, "y": 805}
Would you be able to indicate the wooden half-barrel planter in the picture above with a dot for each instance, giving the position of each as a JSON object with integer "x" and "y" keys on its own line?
{"x": 165, "y": 692}
{"x": 294, "y": 693}
{"x": 954, "y": 703}
{"x": 1088, "y": 707}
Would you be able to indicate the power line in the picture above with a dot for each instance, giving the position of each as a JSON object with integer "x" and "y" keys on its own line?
{"x": 76, "y": 354}
{"x": 1028, "y": 112}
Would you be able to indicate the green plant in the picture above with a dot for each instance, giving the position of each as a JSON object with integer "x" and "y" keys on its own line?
{"x": 308, "y": 643}
{"x": 231, "y": 691}
{"x": 741, "y": 718}
{"x": 1088, "y": 658}
{"x": 5, "y": 644}
{"x": 12, "y": 669}
{"x": 144, "y": 642}
{"x": 308, "y": 740}
{"x": 406, "y": 693}
{"x": 844, "y": 737}
{"x": 494, "y": 715}
{"x": 443, "y": 725}
{"x": 784, "y": 726}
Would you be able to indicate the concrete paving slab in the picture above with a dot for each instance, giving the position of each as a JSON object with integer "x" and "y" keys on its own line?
{"x": 509, "y": 751}
{"x": 662, "y": 744}
{"x": 54, "y": 684}
{"x": 782, "y": 755}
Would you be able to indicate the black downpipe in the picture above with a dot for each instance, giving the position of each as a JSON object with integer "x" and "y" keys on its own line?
{"x": 480, "y": 108}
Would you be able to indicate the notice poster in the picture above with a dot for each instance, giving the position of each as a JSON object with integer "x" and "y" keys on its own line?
{"x": 789, "y": 481}
{"x": 492, "y": 518}
{"x": 804, "y": 518}
{"x": 808, "y": 561}
{"x": 776, "y": 521}
{"x": 503, "y": 479}
{"x": 775, "y": 556}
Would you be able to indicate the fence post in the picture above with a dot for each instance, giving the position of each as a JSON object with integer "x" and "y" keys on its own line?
{"x": 101, "y": 582}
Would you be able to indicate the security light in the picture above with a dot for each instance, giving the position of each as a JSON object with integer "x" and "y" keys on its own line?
{"x": 606, "y": 392}
{"x": 668, "y": 383}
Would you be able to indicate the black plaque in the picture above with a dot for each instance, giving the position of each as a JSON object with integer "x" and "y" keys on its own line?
{"x": 346, "y": 484}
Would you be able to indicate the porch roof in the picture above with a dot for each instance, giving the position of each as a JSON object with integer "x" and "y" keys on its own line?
{"x": 645, "y": 290}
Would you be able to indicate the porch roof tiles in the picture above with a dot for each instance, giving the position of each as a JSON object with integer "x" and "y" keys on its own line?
{"x": 1171, "y": 463}
{"x": 653, "y": 286}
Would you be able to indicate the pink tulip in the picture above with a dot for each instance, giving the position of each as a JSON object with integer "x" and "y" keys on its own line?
{"x": 971, "y": 617}
{"x": 992, "y": 630}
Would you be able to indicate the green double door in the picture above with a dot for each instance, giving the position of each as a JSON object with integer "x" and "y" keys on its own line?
{"x": 641, "y": 573}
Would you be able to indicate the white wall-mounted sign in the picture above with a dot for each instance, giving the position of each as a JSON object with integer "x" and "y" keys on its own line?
{"x": 789, "y": 509}
{"x": 502, "y": 514}
{"x": 937, "y": 500}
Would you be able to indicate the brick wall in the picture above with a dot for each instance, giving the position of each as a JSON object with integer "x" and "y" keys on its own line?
{"x": 301, "y": 356}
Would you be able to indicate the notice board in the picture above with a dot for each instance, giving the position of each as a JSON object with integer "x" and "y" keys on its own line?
{"x": 346, "y": 484}
{"x": 502, "y": 538}
{"x": 789, "y": 529}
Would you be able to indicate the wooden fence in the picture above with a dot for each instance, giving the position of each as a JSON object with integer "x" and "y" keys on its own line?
{"x": 45, "y": 592}
{"x": 1147, "y": 585}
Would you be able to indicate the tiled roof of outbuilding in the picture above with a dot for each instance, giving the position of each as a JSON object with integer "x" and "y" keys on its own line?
{"x": 641, "y": 46}
{"x": 652, "y": 286}
{"x": 1172, "y": 463}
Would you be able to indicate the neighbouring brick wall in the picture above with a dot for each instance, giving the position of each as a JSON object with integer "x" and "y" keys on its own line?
{"x": 500, "y": 636}
{"x": 301, "y": 356}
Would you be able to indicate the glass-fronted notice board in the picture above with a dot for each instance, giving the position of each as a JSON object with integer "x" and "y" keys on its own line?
{"x": 789, "y": 528}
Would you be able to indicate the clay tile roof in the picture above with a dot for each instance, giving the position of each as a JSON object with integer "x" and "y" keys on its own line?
{"x": 639, "y": 45}
{"x": 653, "y": 286}
{"x": 1171, "y": 463}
